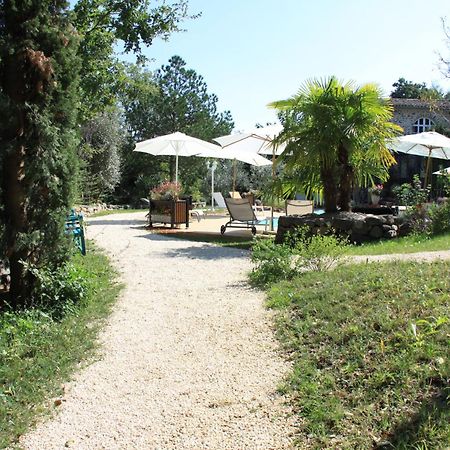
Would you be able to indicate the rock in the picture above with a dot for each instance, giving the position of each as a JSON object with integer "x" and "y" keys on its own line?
{"x": 373, "y": 220}
{"x": 376, "y": 232}
{"x": 391, "y": 234}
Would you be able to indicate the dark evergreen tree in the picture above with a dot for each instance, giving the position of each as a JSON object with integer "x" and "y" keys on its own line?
{"x": 38, "y": 104}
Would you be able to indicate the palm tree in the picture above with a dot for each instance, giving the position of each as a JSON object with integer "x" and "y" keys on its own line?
{"x": 337, "y": 134}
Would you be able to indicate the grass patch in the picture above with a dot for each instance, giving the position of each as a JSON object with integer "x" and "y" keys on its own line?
{"x": 38, "y": 352}
{"x": 406, "y": 244}
{"x": 369, "y": 345}
{"x": 107, "y": 212}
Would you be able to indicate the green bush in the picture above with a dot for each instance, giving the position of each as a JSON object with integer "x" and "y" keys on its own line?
{"x": 316, "y": 252}
{"x": 272, "y": 262}
{"x": 440, "y": 218}
{"x": 411, "y": 194}
{"x": 58, "y": 291}
{"x": 301, "y": 252}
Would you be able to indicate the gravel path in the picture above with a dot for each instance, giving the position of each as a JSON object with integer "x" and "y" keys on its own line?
{"x": 188, "y": 357}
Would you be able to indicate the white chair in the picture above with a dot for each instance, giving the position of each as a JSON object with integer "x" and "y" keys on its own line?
{"x": 220, "y": 201}
{"x": 299, "y": 207}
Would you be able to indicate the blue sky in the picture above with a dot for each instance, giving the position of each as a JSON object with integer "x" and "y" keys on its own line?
{"x": 252, "y": 52}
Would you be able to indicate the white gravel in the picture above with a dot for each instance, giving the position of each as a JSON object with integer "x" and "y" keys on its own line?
{"x": 188, "y": 361}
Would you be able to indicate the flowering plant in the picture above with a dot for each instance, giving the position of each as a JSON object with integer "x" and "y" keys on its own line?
{"x": 376, "y": 189}
{"x": 167, "y": 190}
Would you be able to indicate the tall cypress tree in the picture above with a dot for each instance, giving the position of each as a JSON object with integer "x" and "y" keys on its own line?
{"x": 38, "y": 104}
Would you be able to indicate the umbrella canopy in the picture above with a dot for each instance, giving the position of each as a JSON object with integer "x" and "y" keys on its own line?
{"x": 256, "y": 140}
{"x": 445, "y": 171}
{"x": 177, "y": 144}
{"x": 180, "y": 144}
{"x": 429, "y": 144}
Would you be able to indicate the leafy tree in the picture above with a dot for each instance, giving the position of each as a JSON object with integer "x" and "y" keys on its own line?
{"x": 408, "y": 89}
{"x": 102, "y": 139}
{"x": 176, "y": 99}
{"x": 38, "y": 100}
{"x": 336, "y": 135}
{"x": 103, "y": 25}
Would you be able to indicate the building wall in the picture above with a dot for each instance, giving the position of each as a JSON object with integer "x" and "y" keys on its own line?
{"x": 406, "y": 117}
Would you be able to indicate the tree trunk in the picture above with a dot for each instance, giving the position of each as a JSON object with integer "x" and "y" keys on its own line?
{"x": 345, "y": 179}
{"x": 329, "y": 190}
{"x": 15, "y": 212}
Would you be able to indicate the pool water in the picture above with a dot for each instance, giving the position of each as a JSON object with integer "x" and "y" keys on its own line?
{"x": 275, "y": 219}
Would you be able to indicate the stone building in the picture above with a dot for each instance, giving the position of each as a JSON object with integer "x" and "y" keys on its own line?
{"x": 417, "y": 116}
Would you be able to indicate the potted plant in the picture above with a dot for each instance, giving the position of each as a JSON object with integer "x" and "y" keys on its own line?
{"x": 167, "y": 190}
{"x": 375, "y": 193}
{"x": 165, "y": 206}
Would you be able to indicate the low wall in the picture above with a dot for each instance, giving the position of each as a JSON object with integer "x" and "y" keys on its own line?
{"x": 93, "y": 208}
{"x": 359, "y": 227}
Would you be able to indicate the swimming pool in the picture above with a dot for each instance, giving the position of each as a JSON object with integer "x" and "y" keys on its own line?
{"x": 275, "y": 219}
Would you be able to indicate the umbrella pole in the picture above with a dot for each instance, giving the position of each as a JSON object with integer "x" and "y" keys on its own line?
{"x": 176, "y": 168}
{"x": 273, "y": 180}
{"x": 427, "y": 171}
{"x": 234, "y": 175}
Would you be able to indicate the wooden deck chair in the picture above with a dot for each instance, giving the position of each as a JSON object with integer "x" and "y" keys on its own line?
{"x": 242, "y": 215}
{"x": 235, "y": 194}
{"x": 299, "y": 207}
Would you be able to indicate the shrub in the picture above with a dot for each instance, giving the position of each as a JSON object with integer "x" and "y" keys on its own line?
{"x": 440, "y": 218}
{"x": 272, "y": 262}
{"x": 58, "y": 291}
{"x": 301, "y": 252}
{"x": 319, "y": 252}
{"x": 411, "y": 194}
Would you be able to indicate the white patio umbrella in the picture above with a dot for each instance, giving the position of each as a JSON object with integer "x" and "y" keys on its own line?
{"x": 180, "y": 144}
{"x": 256, "y": 140}
{"x": 445, "y": 171}
{"x": 429, "y": 144}
{"x": 176, "y": 144}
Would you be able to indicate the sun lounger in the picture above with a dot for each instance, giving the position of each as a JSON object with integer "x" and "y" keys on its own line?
{"x": 299, "y": 207}
{"x": 242, "y": 215}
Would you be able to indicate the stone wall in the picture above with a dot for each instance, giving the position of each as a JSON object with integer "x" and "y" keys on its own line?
{"x": 406, "y": 117}
{"x": 359, "y": 227}
{"x": 97, "y": 207}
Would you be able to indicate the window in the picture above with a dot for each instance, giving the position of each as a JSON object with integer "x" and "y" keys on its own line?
{"x": 422, "y": 124}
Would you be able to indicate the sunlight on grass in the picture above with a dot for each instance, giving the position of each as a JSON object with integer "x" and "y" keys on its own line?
{"x": 407, "y": 244}
{"x": 369, "y": 346}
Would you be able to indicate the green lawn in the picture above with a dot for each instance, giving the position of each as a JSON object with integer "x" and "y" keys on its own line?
{"x": 369, "y": 345}
{"x": 407, "y": 244}
{"x": 39, "y": 351}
